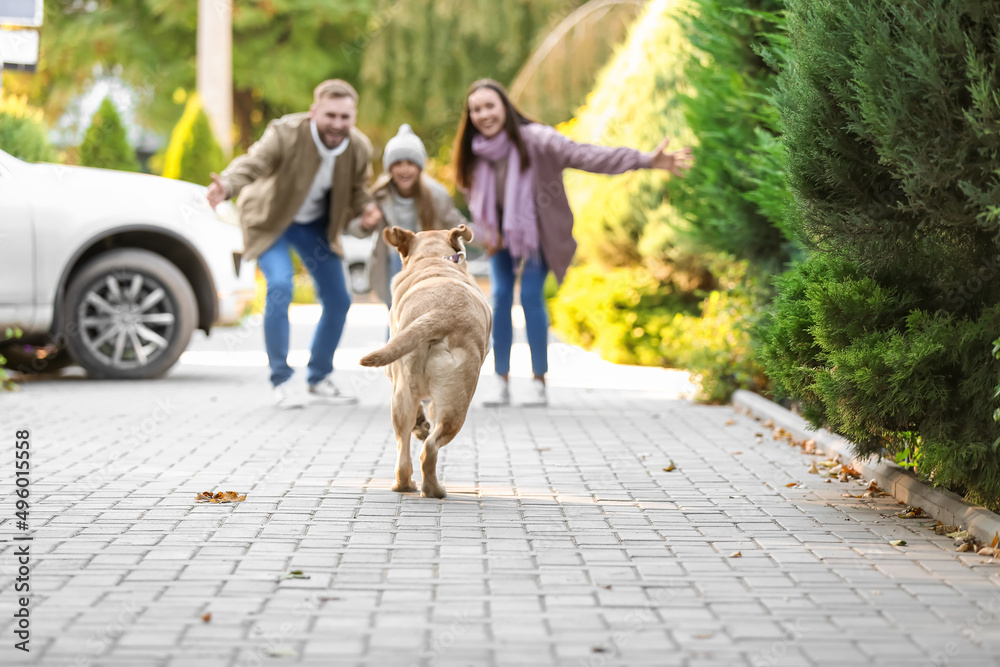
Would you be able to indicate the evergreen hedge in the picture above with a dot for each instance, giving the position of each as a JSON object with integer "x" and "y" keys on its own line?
{"x": 892, "y": 124}
{"x": 22, "y": 131}
{"x": 674, "y": 271}
{"x": 193, "y": 152}
{"x": 105, "y": 144}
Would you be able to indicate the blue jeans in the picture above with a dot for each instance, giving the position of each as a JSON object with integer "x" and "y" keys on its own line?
{"x": 393, "y": 266}
{"x": 310, "y": 242}
{"x": 502, "y": 276}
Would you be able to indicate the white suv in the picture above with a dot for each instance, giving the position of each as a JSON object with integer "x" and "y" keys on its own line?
{"x": 117, "y": 268}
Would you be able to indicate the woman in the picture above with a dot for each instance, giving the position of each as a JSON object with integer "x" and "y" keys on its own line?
{"x": 511, "y": 171}
{"x": 407, "y": 198}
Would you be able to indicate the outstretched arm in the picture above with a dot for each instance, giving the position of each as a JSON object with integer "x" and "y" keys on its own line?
{"x": 608, "y": 159}
{"x": 262, "y": 158}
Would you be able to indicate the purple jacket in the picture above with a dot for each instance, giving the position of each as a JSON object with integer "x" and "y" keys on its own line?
{"x": 550, "y": 153}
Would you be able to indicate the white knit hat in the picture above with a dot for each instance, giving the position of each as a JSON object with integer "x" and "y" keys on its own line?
{"x": 404, "y": 146}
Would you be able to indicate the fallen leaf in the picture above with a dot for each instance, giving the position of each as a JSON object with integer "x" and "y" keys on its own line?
{"x": 996, "y": 540}
{"x": 912, "y": 513}
{"x": 730, "y": 422}
{"x": 758, "y": 435}
{"x": 843, "y": 477}
{"x": 958, "y": 534}
{"x": 963, "y": 548}
{"x": 736, "y": 554}
{"x": 294, "y": 574}
{"x": 813, "y": 470}
{"x": 898, "y": 543}
{"x": 734, "y": 453}
{"x": 670, "y": 467}
{"x": 542, "y": 449}
{"x": 768, "y": 424}
{"x": 207, "y": 617}
{"x": 328, "y": 599}
{"x": 703, "y": 635}
{"x": 985, "y": 551}
{"x": 220, "y": 497}
{"x": 599, "y": 649}
{"x": 791, "y": 484}
{"x": 606, "y": 586}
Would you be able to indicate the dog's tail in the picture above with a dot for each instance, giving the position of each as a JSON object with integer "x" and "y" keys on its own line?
{"x": 425, "y": 327}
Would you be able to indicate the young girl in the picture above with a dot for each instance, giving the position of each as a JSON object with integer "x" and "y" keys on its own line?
{"x": 511, "y": 171}
{"x": 407, "y": 198}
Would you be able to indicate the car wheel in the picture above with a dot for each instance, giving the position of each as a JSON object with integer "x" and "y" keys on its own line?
{"x": 359, "y": 278}
{"x": 128, "y": 314}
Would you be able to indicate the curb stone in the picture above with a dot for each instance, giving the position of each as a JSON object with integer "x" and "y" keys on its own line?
{"x": 947, "y": 507}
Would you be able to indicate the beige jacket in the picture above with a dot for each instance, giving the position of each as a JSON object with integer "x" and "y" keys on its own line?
{"x": 446, "y": 216}
{"x": 272, "y": 180}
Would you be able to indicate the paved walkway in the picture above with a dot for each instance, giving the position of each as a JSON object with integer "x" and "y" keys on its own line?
{"x": 562, "y": 542}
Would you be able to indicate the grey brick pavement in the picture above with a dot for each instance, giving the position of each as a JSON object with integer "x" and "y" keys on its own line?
{"x": 562, "y": 542}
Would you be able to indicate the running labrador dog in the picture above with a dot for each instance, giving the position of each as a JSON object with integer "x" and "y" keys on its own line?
{"x": 440, "y": 333}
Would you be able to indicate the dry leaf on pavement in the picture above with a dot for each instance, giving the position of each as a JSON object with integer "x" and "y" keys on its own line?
{"x": 898, "y": 543}
{"x": 207, "y": 617}
{"x": 670, "y": 467}
{"x": 220, "y": 497}
{"x": 730, "y": 422}
{"x": 813, "y": 470}
{"x": 791, "y": 484}
{"x": 736, "y": 554}
{"x": 294, "y": 574}
{"x": 996, "y": 540}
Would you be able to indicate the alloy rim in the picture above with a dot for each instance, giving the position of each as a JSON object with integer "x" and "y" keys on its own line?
{"x": 126, "y": 320}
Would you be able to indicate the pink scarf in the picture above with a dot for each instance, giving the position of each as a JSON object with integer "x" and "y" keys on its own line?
{"x": 520, "y": 224}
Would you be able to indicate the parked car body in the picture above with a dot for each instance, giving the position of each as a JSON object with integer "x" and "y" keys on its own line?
{"x": 117, "y": 268}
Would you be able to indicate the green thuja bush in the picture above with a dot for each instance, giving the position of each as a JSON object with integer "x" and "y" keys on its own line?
{"x": 672, "y": 271}
{"x": 105, "y": 144}
{"x": 892, "y": 128}
{"x": 22, "y": 131}
{"x": 193, "y": 152}
{"x": 737, "y": 194}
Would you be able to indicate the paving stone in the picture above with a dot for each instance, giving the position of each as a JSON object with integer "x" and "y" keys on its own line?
{"x": 561, "y": 534}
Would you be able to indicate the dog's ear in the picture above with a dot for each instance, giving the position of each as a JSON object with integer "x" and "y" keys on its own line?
{"x": 462, "y": 232}
{"x": 398, "y": 237}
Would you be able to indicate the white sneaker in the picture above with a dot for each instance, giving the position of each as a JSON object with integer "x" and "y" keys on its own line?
{"x": 285, "y": 397}
{"x": 329, "y": 392}
{"x": 537, "y": 396}
{"x": 498, "y": 394}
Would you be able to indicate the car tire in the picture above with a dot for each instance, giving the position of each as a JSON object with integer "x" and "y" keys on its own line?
{"x": 128, "y": 314}
{"x": 359, "y": 278}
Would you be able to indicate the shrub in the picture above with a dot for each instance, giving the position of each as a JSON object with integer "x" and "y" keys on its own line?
{"x": 737, "y": 194}
{"x": 22, "y": 131}
{"x": 193, "y": 152}
{"x": 684, "y": 262}
{"x": 105, "y": 144}
{"x": 893, "y": 134}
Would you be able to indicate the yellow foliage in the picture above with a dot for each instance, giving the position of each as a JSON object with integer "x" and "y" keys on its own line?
{"x": 17, "y": 106}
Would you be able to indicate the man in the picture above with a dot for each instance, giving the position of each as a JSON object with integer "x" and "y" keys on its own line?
{"x": 298, "y": 187}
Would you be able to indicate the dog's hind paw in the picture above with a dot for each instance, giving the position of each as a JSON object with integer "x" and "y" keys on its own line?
{"x": 399, "y": 487}
{"x": 436, "y": 491}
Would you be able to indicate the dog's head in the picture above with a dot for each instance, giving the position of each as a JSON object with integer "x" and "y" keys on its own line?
{"x": 439, "y": 244}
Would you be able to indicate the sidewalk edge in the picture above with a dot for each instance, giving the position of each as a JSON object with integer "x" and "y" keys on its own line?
{"x": 945, "y": 506}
